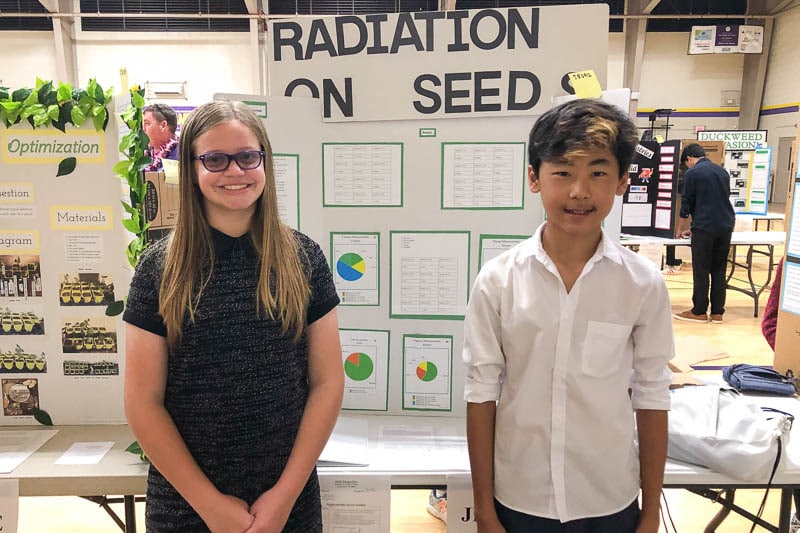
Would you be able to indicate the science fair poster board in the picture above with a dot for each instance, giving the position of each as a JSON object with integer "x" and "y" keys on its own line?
{"x": 397, "y": 195}
{"x": 747, "y": 160}
{"x": 650, "y": 202}
{"x": 62, "y": 262}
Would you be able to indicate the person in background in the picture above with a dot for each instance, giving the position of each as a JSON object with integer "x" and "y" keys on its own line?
{"x": 234, "y": 376}
{"x": 558, "y": 322}
{"x": 159, "y": 123}
{"x": 769, "y": 327}
{"x": 706, "y": 197}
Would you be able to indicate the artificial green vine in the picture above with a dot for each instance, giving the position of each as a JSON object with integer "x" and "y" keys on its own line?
{"x": 131, "y": 169}
{"x": 48, "y": 105}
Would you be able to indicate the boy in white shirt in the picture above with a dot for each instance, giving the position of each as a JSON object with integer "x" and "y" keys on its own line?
{"x": 566, "y": 336}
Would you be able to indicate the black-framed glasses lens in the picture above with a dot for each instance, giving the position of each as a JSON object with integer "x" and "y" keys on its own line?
{"x": 218, "y": 161}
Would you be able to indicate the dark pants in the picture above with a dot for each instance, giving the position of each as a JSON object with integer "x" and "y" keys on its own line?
{"x": 624, "y": 521}
{"x": 709, "y": 258}
{"x": 671, "y": 259}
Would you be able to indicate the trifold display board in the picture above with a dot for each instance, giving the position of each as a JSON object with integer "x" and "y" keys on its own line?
{"x": 749, "y": 171}
{"x": 62, "y": 261}
{"x": 410, "y": 184}
{"x": 787, "y": 335}
{"x": 405, "y": 218}
{"x": 650, "y": 203}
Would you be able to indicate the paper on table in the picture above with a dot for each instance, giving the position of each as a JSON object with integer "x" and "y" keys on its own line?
{"x": 347, "y": 444}
{"x": 16, "y": 446}
{"x": 84, "y": 453}
{"x": 170, "y": 171}
{"x": 355, "y": 503}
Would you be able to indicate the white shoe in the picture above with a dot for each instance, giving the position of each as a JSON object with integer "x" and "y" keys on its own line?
{"x": 437, "y": 504}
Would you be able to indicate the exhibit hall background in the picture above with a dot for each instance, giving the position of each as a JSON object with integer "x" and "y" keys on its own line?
{"x": 223, "y": 62}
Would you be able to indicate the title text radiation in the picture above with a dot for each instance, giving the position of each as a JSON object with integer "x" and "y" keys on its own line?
{"x": 422, "y": 32}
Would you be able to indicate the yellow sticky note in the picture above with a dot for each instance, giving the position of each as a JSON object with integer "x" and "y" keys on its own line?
{"x": 659, "y": 139}
{"x": 585, "y": 84}
{"x": 170, "y": 171}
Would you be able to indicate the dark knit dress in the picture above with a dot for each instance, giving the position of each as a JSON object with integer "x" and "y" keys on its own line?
{"x": 236, "y": 387}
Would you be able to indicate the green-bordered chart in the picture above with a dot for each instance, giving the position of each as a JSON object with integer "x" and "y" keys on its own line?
{"x": 355, "y": 259}
{"x": 493, "y": 245}
{"x": 429, "y": 275}
{"x": 362, "y": 174}
{"x": 483, "y": 175}
{"x": 427, "y": 379}
{"x": 287, "y": 187}
{"x": 365, "y": 356}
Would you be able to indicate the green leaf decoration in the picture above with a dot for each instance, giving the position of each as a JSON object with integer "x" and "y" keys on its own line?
{"x": 42, "y": 417}
{"x": 66, "y": 166}
{"x": 78, "y": 118}
{"x": 20, "y": 95}
{"x": 135, "y": 449}
{"x": 64, "y": 92}
{"x": 115, "y": 308}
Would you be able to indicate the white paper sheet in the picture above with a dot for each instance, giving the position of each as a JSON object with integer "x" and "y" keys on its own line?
{"x": 16, "y": 446}
{"x": 355, "y": 504}
{"x": 347, "y": 445}
{"x": 85, "y": 453}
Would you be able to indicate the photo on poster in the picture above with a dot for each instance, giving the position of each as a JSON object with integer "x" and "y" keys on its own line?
{"x": 89, "y": 335}
{"x": 14, "y": 359}
{"x": 74, "y": 367}
{"x": 86, "y": 288}
{"x": 17, "y": 321}
{"x": 20, "y": 396}
{"x": 20, "y": 277}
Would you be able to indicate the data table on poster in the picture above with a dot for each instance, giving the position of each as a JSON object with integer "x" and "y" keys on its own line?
{"x": 286, "y": 186}
{"x": 362, "y": 174}
{"x": 429, "y": 274}
{"x": 483, "y": 175}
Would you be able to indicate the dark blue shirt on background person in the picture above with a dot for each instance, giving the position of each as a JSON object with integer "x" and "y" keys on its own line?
{"x": 706, "y": 197}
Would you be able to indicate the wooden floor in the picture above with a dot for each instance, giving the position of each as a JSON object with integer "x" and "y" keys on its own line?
{"x": 739, "y": 335}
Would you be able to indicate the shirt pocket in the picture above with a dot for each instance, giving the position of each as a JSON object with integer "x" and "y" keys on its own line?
{"x": 603, "y": 347}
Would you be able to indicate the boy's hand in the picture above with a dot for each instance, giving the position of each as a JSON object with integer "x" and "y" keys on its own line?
{"x": 490, "y": 524}
{"x": 648, "y": 523}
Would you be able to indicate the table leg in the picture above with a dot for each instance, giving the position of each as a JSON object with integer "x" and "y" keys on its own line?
{"x": 130, "y": 514}
{"x": 785, "y": 516}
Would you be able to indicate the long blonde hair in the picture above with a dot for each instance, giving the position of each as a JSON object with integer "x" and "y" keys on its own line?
{"x": 190, "y": 252}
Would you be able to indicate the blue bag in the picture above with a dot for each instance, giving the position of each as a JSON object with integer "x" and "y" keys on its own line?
{"x": 752, "y": 378}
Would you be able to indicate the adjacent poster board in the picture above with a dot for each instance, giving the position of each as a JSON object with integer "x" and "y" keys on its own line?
{"x": 62, "y": 262}
{"x": 787, "y": 335}
{"x": 650, "y": 203}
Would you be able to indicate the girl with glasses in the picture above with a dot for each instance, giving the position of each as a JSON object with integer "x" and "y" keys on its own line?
{"x": 234, "y": 373}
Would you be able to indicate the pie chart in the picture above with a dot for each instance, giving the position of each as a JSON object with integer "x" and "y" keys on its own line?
{"x": 351, "y": 266}
{"x": 426, "y": 371}
{"x": 358, "y": 366}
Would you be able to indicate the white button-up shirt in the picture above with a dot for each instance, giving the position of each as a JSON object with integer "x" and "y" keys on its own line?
{"x": 559, "y": 366}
